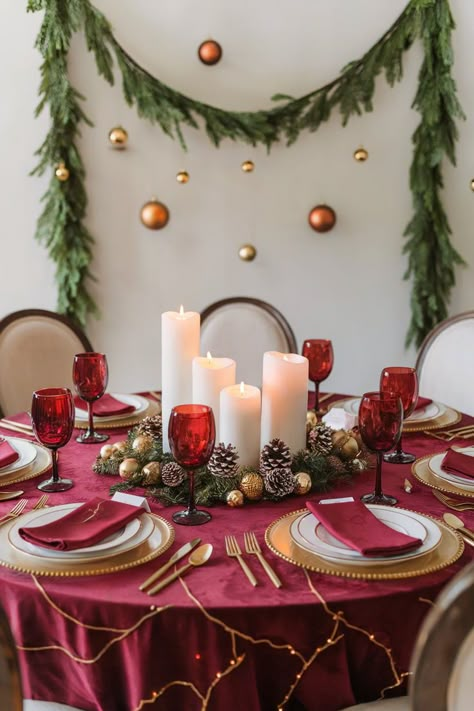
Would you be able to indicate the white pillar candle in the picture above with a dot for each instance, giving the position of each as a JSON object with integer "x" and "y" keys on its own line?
{"x": 210, "y": 376}
{"x": 240, "y": 409}
{"x": 284, "y": 399}
{"x": 180, "y": 333}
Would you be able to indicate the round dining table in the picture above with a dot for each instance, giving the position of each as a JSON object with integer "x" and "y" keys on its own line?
{"x": 210, "y": 640}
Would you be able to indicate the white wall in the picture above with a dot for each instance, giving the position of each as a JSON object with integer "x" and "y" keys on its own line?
{"x": 345, "y": 285}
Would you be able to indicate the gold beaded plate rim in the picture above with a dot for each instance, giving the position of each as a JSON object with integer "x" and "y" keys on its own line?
{"x": 41, "y": 463}
{"x": 157, "y": 543}
{"x": 278, "y": 539}
{"x": 153, "y": 408}
{"x": 421, "y": 471}
{"x": 449, "y": 417}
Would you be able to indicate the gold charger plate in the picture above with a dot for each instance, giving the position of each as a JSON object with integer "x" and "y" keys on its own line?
{"x": 154, "y": 408}
{"x": 449, "y": 417}
{"x": 157, "y": 543}
{"x": 278, "y": 539}
{"x": 421, "y": 471}
{"x": 39, "y": 465}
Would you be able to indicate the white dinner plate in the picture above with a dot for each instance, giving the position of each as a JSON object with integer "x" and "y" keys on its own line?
{"x": 27, "y": 454}
{"x": 310, "y": 534}
{"x": 131, "y": 535}
{"x": 430, "y": 412}
{"x": 140, "y": 404}
{"x": 466, "y": 482}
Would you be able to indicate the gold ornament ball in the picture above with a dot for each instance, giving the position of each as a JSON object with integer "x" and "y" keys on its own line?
{"x": 142, "y": 442}
{"x": 303, "y": 483}
{"x": 128, "y": 468}
{"x": 248, "y": 166}
{"x": 322, "y": 218}
{"x": 152, "y": 472}
{"x": 106, "y": 451}
{"x": 361, "y": 155}
{"x": 182, "y": 177}
{"x": 210, "y": 52}
{"x": 235, "y": 498}
{"x": 154, "y": 215}
{"x": 347, "y": 445}
{"x": 119, "y": 447}
{"x": 311, "y": 420}
{"x": 251, "y": 486}
{"x": 62, "y": 173}
{"x": 118, "y": 137}
{"x": 247, "y": 253}
{"x": 472, "y": 184}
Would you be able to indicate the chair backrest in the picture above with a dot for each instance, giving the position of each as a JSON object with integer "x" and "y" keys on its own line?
{"x": 244, "y": 328}
{"x": 36, "y": 351}
{"x": 10, "y": 680}
{"x": 445, "y": 363}
{"x": 443, "y": 658}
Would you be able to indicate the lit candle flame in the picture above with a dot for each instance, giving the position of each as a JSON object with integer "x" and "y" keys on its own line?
{"x": 242, "y": 388}
{"x": 181, "y": 311}
{"x": 285, "y": 358}
{"x": 209, "y": 357}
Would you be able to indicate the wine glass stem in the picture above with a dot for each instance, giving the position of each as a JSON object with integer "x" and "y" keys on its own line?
{"x": 54, "y": 457}
{"x": 91, "y": 418}
{"x": 316, "y": 396}
{"x": 399, "y": 449}
{"x": 191, "y": 504}
{"x": 378, "y": 475}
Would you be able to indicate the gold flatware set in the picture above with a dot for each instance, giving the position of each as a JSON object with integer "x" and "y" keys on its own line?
{"x": 20, "y": 507}
{"x": 253, "y": 548}
{"x": 465, "y": 432}
{"x": 454, "y": 503}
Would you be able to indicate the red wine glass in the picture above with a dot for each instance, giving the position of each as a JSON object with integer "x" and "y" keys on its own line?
{"x": 52, "y": 417}
{"x": 320, "y": 356}
{"x": 90, "y": 375}
{"x": 191, "y": 434}
{"x": 404, "y": 382}
{"x": 380, "y": 423}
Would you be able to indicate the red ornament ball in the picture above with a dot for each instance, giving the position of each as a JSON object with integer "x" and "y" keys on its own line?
{"x": 210, "y": 52}
{"x": 322, "y": 218}
{"x": 154, "y": 215}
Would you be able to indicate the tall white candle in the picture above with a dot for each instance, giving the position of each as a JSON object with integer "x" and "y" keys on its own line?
{"x": 240, "y": 410}
{"x": 284, "y": 399}
{"x": 210, "y": 376}
{"x": 180, "y": 334}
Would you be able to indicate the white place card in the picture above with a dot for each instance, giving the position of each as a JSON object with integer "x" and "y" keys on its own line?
{"x": 132, "y": 500}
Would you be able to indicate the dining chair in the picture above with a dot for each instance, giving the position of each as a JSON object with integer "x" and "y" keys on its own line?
{"x": 243, "y": 328}
{"x": 36, "y": 351}
{"x": 445, "y": 363}
{"x": 442, "y": 663}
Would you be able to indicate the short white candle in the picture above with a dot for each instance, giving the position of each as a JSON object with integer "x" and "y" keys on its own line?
{"x": 180, "y": 334}
{"x": 284, "y": 399}
{"x": 240, "y": 410}
{"x": 210, "y": 376}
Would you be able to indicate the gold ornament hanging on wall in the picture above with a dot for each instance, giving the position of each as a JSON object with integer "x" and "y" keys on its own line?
{"x": 182, "y": 177}
{"x": 247, "y": 253}
{"x": 118, "y": 137}
{"x": 472, "y": 184}
{"x": 248, "y": 166}
{"x": 154, "y": 215}
{"x": 361, "y": 155}
{"x": 61, "y": 172}
{"x": 210, "y": 52}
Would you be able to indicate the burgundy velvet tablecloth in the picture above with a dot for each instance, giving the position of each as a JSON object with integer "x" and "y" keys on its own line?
{"x": 216, "y": 642}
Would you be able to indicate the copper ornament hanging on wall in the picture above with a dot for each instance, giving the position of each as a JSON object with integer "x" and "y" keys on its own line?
{"x": 210, "y": 52}
{"x": 118, "y": 137}
{"x": 322, "y": 218}
{"x": 154, "y": 215}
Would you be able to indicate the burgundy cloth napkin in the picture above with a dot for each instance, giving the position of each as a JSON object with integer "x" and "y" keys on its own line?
{"x": 106, "y": 406}
{"x": 8, "y": 455}
{"x": 458, "y": 463}
{"x": 88, "y": 524}
{"x": 352, "y": 523}
{"x": 422, "y": 402}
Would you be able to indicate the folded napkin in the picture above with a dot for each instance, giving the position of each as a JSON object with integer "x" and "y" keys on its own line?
{"x": 355, "y": 525}
{"x": 85, "y": 526}
{"x": 8, "y": 455}
{"x": 106, "y": 406}
{"x": 422, "y": 402}
{"x": 458, "y": 463}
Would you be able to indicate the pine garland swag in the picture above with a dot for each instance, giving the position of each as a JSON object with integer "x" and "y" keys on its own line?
{"x": 431, "y": 256}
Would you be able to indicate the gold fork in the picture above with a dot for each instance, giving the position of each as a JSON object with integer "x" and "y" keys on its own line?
{"x": 233, "y": 550}
{"x": 15, "y": 511}
{"x": 449, "y": 435}
{"x": 451, "y": 503}
{"x": 252, "y": 546}
{"x": 41, "y": 503}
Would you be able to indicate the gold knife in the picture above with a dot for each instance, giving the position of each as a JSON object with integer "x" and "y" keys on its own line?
{"x": 180, "y": 553}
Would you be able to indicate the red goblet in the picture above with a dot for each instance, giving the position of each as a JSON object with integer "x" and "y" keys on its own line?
{"x": 380, "y": 422}
{"x": 90, "y": 375}
{"x": 52, "y": 417}
{"x": 191, "y": 434}
{"x": 404, "y": 382}
{"x": 320, "y": 355}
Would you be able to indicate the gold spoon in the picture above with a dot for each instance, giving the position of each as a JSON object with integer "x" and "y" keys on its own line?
{"x": 457, "y": 523}
{"x": 198, "y": 557}
{"x": 6, "y": 495}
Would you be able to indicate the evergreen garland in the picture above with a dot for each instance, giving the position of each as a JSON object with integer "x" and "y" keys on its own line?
{"x": 431, "y": 257}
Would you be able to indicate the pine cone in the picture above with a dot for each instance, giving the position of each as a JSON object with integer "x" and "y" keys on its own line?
{"x": 279, "y": 482}
{"x": 336, "y": 465}
{"x": 172, "y": 474}
{"x": 275, "y": 455}
{"x": 223, "y": 461}
{"x": 151, "y": 426}
{"x": 320, "y": 439}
